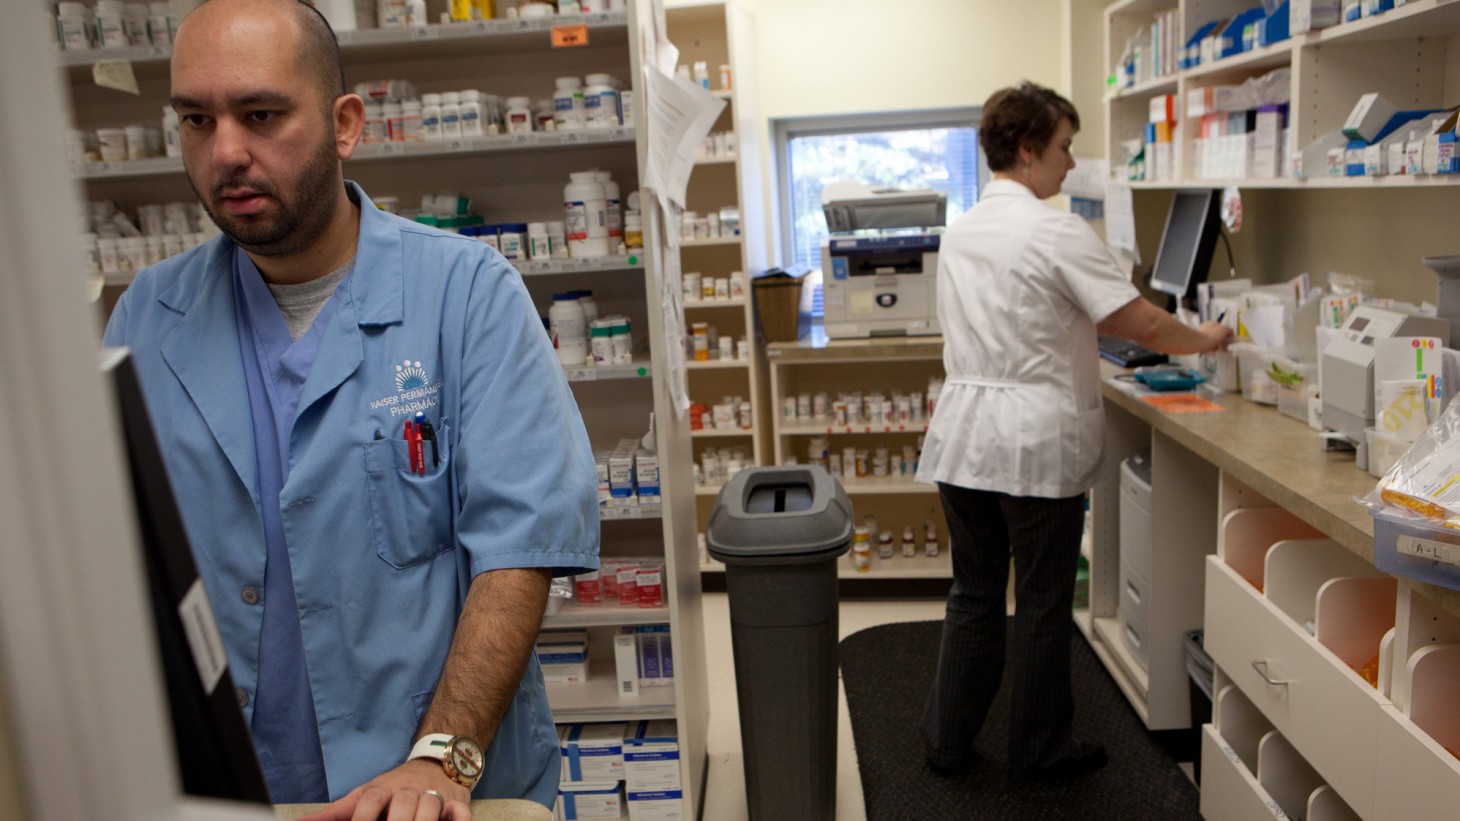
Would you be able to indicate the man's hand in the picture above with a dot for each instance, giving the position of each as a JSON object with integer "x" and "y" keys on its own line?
{"x": 399, "y": 795}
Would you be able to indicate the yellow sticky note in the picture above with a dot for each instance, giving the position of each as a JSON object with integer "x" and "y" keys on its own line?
{"x": 115, "y": 74}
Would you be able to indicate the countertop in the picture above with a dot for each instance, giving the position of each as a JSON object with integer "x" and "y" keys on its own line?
{"x": 1280, "y": 458}
{"x": 492, "y": 810}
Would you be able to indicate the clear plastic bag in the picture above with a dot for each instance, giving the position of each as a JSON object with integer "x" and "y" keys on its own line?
{"x": 1425, "y": 481}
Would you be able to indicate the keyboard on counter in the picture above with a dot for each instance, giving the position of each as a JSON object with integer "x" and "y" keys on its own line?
{"x": 1128, "y": 354}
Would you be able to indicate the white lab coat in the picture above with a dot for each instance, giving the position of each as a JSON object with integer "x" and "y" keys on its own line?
{"x": 1021, "y": 287}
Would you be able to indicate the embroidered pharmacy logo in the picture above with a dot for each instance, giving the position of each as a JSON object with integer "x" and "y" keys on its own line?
{"x": 409, "y": 376}
{"x": 414, "y": 391}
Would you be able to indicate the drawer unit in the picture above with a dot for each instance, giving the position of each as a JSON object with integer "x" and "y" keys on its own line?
{"x": 1134, "y": 615}
{"x": 1329, "y": 714}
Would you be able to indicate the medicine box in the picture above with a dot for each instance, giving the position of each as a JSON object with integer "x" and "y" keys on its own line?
{"x": 592, "y": 752}
{"x": 646, "y": 476}
{"x": 1352, "y": 10}
{"x": 621, "y": 476}
{"x": 1308, "y": 15}
{"x": 660, "y": 805}
{"x": 1373, "y": 7}
{"x": 589, "y": 800}
{"x": 656, "y": 654}
{"x": 651, "y": 756}
{"x": 1163, "y": 108}
{"x": 1372, "y": 112}
{"x": 563, "y": 662}
{"x": 605, "y": 494}
{"x": 626, "y": 664}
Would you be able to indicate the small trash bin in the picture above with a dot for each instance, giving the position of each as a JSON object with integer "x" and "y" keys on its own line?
{"x": 1199, "y": 668}
{"x": 778, "y": 303}
{"x": 780, "y": 531}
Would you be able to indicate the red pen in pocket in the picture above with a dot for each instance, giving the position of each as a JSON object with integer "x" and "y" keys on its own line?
{"x": 417, "y": 455}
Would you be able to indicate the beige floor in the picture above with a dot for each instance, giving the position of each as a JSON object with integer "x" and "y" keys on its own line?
{"x": 725, "y": 791}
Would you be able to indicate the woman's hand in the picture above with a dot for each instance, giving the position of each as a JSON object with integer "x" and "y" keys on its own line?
{"x": 1218, "y": 335}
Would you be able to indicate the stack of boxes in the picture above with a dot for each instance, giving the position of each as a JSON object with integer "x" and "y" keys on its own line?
{"x": 643, "y": 656}
{"x": 610, "y": 768}
{"x": 1239, "y": 136}
{"x": 628, "y": 475}
{"x": 1159, "y": 136}
{"x": 1377, "y": 139}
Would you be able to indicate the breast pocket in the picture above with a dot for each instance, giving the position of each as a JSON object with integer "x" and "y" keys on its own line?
{"x": 412, "y": 515}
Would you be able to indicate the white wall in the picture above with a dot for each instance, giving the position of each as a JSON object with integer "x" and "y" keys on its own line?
{"x": 854, "y": 56}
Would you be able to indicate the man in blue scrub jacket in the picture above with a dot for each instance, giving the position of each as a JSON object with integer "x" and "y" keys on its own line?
{"x": 379, "y": 599}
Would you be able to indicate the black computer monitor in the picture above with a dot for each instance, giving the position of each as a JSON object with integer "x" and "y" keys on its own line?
{"x": 215, "y": 753}
{"x": 1192, "y": 227}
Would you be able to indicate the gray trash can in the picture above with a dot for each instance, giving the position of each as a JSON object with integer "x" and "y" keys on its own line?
{"x": 779, "y": 532}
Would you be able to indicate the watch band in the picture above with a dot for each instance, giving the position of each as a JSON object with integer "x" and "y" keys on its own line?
{"x": 431, "y": 745}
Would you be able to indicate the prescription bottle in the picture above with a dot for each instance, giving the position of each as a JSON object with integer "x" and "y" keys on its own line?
{"x": 600, "y": 101}
{"x": 623, "y": 340}
{"x": 375, "y": 130}
{"x": 565, "y": 321}
{"x": 512, "y": 241}
{"x": 430, "y": 116}
{"x": 539, "y": 247}
{"x": 633, "y": 231}
{"x": 586, "y": 210}
{"x": 700, "y": 332}
{"x": 394, "y": 125}
{"x": 412, "y": 121}
{"x": 450, "y": 115}
{"x": 472, "y": 122}
{"x": 615, "y": 208}
{"x": 568, "y": 106}
{"x": 519, "y": 115}
{"x": 590, "y": 308}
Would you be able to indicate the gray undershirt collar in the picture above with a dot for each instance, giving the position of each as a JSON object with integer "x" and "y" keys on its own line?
{"x": 301, "y": 303}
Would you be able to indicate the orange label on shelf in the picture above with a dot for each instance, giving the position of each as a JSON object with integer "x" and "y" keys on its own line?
{"x": 569, "y": 36}
{"x": 1181, "y": 403}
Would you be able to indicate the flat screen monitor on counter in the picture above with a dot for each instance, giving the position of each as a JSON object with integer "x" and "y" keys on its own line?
{"x": 1192, "y": 227}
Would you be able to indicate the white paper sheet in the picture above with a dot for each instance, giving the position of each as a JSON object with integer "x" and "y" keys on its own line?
{"x": 1120, "y": 223}
{"x": 680, "y": 114}
{"x": 1087, "y": 179}
{"x": 672, "y": 307}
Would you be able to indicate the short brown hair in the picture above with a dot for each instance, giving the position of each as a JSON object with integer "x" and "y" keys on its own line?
{"x": 1023, "y": 116}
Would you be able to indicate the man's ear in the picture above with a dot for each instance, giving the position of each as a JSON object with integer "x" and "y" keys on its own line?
{"x": 348, "y": 113}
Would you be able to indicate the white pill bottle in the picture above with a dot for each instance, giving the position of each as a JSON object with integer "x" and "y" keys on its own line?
{"x": 585, "y": 206}
{"x": 565, "y": 322}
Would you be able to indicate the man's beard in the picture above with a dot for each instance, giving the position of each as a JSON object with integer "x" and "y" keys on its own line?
{"x": 298, "y": 223}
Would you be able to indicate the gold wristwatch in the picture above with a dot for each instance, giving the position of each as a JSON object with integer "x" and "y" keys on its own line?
{"x": 460, "y": 756}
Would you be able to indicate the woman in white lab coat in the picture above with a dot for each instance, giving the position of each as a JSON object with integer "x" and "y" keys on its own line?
{"x": 1017, "y": 434}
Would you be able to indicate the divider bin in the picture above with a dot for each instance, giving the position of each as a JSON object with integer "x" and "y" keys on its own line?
{"x": 1240, "y": 725}
{"x": 1297, "y": 568}
{"x": 1285, "y": 775}
{"x": 1434, "y": 696}
{"x": 1386, "y": 663}
{"x": 1352, "y": 618}
{"x": 1325, "y": 804}
{"x": 1248, "y": 533}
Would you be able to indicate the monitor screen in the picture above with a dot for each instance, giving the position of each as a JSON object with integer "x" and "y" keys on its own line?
{"x": 215, "y": 753}
{"x": 1192, "y": 226}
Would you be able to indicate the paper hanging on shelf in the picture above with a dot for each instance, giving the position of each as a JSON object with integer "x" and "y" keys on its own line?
{"x": 1087, "y": 179}
{"x": 1120, "y": 224}
{"x": 672, "y": 307}
{"x": 680, "y": 115}
{"x": 115, "y": 74}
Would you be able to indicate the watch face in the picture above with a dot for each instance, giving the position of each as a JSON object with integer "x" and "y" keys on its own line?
{"x": 465, "y": 757}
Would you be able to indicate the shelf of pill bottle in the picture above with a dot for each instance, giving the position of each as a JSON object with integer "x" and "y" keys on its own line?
{"x": 1300, "y": 183}
{"x": 712, "y": 364}
{"x": 709, "y": 243}
{"x": 614, "y": 262}
{"x": 690, "y": 304}
{"x": 612, "y": 514}
{"x": 375, "y": 43}
{"x": 787, "y": 428}
{"x": 573, "y": 614}
{"x": 597, "y": 699}
{"x": 590, "y": 373}
{"x": 424, "y": 149}
{"x": 718, "y": 433}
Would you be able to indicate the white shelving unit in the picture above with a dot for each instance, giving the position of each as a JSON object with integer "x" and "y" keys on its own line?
{"x": 866, "y": 365}
{"x": 1408, "y": 54}
{"x": 722, "y": 32}
{"x": 517, "y": 178}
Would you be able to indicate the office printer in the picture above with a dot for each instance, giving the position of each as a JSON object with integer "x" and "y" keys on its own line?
{"x": 880, "y": 264}
{"x": 1347, "y": 368}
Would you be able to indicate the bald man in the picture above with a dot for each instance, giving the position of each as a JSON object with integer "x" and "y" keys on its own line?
{"x": 376, "y": 454}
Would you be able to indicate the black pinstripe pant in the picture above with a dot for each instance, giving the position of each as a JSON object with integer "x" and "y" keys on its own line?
{"x": 1044, "y": 536}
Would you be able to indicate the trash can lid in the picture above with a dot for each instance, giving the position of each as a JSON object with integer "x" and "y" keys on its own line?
{"x": 780, "y": 514}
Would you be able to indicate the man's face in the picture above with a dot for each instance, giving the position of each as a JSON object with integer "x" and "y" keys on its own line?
{"x": 258, "y": 141}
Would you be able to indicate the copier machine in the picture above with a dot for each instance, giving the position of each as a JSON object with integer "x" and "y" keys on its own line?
{"x": 880, "y": 264}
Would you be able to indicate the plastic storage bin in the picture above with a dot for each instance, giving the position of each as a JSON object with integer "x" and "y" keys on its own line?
{"x": 1416, "y": 548}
